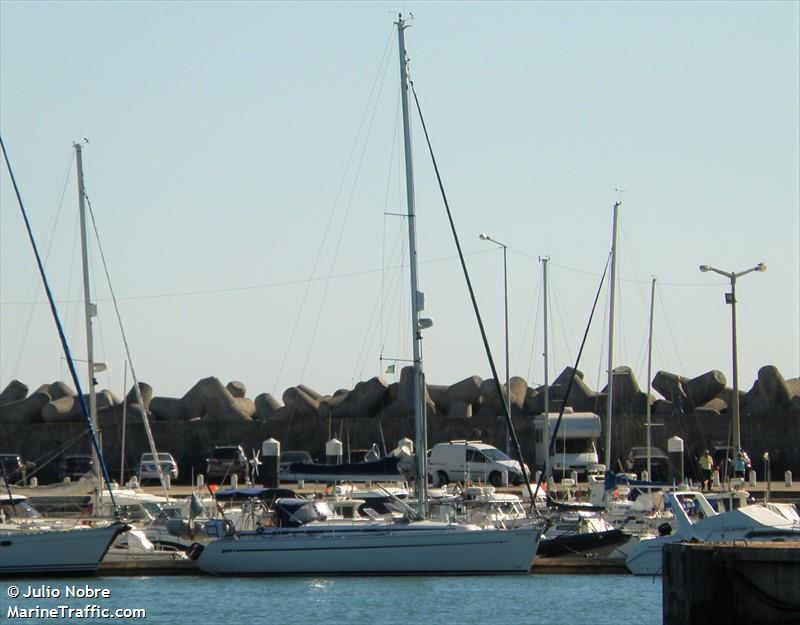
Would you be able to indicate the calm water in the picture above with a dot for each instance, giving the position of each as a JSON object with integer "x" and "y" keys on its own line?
{"x": 534, "y": 599}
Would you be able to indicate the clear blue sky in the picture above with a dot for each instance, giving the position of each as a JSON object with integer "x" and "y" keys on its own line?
{"x": 234, "y": 144}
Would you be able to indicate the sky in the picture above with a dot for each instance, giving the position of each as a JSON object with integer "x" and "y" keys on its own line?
{"x": 244, "y": 170}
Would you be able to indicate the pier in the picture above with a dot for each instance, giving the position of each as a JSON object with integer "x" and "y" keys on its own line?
{"x": 736, "y": 583}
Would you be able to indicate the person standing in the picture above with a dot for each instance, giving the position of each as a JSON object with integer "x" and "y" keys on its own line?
{"x": 706, "y": 463}
{"x": 739, "y": 464}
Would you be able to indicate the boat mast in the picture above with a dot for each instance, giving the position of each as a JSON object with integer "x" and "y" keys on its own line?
{"x": 650, "y": 372}
{"x": 416, "y": 296}
{"x": 547, "y": 467}
{"x": 89, "y": 311}
{"x": 609, "y": 398}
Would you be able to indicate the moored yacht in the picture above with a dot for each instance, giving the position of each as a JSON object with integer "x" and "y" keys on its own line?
{"x": 307, "y": 538}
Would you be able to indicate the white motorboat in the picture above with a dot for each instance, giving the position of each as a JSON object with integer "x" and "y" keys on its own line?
{"x": 697, "y": 520}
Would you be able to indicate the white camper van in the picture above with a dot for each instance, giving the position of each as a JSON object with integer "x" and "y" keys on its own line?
{"x": 576, "y": 443}
{"x": 461, "y": 461}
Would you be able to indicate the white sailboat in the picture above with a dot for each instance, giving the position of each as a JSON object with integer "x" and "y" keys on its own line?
{"x": 307, "y": 538}
{"x": 29, "y": 545}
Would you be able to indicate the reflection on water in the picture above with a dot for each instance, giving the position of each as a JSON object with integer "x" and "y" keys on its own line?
{"x": 522, "y": 600}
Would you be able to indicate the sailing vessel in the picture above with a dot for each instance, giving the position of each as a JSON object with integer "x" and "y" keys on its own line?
{"x": 32, "y": 547}
{"x": 307, "y": 538}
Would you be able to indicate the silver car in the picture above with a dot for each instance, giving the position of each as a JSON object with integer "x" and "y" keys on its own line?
{"x": 149, "y": 471}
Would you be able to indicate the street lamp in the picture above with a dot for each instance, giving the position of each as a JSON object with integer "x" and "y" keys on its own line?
{"x": 730, "y": 298}
{"x": 485, "y": 237}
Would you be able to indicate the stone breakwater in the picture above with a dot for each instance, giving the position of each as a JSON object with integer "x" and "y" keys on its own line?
{"x": 211, "y": 413}
{"x": 211, "y": 401}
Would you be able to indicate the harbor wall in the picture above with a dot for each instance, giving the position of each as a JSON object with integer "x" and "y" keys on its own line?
{"x": 192, "y": 441}
{"x": 735, "y": 584}
{"x": 48, "y": 421}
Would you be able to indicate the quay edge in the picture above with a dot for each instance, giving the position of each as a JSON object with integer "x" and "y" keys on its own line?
{"x": 732, "y": 583}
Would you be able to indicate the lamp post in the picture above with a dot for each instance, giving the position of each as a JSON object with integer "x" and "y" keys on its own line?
{"x": 730, "y": 298}
{"x": 485, "y": 237}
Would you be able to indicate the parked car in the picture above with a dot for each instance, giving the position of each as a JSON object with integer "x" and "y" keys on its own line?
{"x": 225, "y": 461}
{"x": 149, "y": 471}
{"x": 723, "y": 456}
{"x": 290, "y": 457}
{"x": 636, "y": 462}
{"x": 75, "y": 466}
{"x": 14, "y": 468}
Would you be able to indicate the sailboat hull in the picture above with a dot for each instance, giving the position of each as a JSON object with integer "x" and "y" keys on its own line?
{"x": 55, "y": 552}
{"x": 411, "y": 549}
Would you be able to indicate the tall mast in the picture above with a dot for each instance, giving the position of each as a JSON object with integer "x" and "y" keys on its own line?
{"x": 609, "y": 402}
{"x": 545, "y": 354}
{"x": 89, "y": 310}
{"x": 416, "y": 296}
{"x": 650, "y": 371}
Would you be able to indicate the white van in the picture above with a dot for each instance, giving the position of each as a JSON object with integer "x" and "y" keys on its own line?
{"x": 461, "y": 461}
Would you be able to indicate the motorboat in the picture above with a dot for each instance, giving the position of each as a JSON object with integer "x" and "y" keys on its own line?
{"x": 698, "y": 521}
{"x": 585, "y": 533}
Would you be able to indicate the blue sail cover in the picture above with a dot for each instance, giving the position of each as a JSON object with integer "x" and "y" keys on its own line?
{"x": 248, "y": 493}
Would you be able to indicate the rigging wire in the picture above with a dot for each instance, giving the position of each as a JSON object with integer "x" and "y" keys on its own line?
{"x": 551, "y": 450}
{"x": 564, "y": 320}
{"x": 329, "y": 223}
{"x": 342, "y": 228}
{"x": 62, "y": 337}
{"x": 603, "y": 341}
{"x": 669, "y": 329}
{"x": 138, "y": 391}
{"x": 531, "y": 358}
{"x": 376, "y": 323}
{"x": 33, "y": 284}
{"x": 498, "y": 389}
{"x": 641, "y": 361}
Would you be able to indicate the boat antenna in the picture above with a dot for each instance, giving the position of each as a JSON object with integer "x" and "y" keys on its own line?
{"x": 62, "y": 337}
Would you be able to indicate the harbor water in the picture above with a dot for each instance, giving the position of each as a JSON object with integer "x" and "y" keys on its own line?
{"x": 529, "y": 599}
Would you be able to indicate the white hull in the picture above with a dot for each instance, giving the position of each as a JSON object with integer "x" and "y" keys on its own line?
{"x": 421, "y": 547}
{"x": 54, "y": 552}
{"x": 750, "y": 523}
{"x": 645, "y": 559}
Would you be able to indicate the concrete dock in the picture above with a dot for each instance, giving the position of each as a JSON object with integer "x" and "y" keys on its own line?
{"x": 732, "y": 583}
